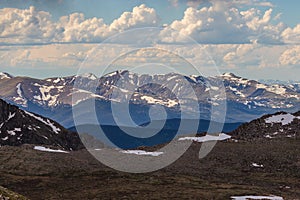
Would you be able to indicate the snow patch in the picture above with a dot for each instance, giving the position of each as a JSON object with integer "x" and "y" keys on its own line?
{"x": 284, "y": 119}
{"x": 268, "y": 136}
{"x": 236, "y": 91}
{"x": 141, "y": 152}
{"x": 277, "y": 89}
{"x": 82, "y": 95}
{"x": 20, "y": 98}
{"x": 48, "y": 123}
{"x": 40, "y": 148}
{"x": 151, "y": 100}
{"x": 206, "y": 138}
{"x": 37, "y": 97}
{"x": 4, "y": 76}
{"x": 46, "y": 96}
{"x": 56, "y": 80}
{"x": 13, "y": 132}
{"x": 248, "y": 197}
{"x": 89, "y": 76}
{"x": 10, "y": 116}
{"x": 4, "y": 139}
{"x": 257, "y": 165}
{"x": 228, "y": 74}
{"x": 214, "y": 88}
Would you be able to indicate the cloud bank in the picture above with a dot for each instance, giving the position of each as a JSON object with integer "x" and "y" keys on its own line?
{"x": 217, "y": 23}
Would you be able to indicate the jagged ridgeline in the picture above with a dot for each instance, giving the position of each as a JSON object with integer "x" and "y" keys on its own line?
{"x": 52, "y": 97}
{"x": 18, "y": 127}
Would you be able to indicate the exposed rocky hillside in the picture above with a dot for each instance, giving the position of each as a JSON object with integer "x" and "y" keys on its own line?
{"x": 277, "y": 125}
{"x": 19, "y": 127}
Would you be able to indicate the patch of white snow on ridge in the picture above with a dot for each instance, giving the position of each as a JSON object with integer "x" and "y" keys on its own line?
{"x": 248, "y": 197}
{"x": 277, "y": 89}
{"x": 151, "y": 100}
{"x": 20, "y": 97}
{"x": 56, "y": 80}
{"x": 10, "y": 116}
{"x": 4, "y": 76}
{"x": 46, "y": 96}
{"x": 141, "y": 152}
{"x": 13, "y": 132}
{"x": 206, "y": 138}
{"x": 40, "y": 148}
{"x": 284, "y": 119}
{"x": 111, "y": 74}
{"x": 48, "y": 123}
{"x": 257, "y": 165}
{"x": 82, "y": 95}
{"x": 6, "y": 138}
{"x": 89, "y": 76}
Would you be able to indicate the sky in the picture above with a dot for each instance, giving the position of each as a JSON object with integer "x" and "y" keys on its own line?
{"x": 251, "y": 38}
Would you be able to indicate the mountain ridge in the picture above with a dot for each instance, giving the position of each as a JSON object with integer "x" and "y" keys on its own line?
{"x": 271, "y": 126}
{"x": 246, "y": 99}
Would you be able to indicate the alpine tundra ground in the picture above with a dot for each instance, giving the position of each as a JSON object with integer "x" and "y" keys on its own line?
{"x": 260, "y": 167}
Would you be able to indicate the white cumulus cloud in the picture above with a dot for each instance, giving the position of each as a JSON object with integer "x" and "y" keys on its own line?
{"x": 222, "y": 23}
{"x": 218, "y": 22}
{"x": 290, "y": 56}
{"x": 32, "y": 26}
{"x": 291, "y": 35}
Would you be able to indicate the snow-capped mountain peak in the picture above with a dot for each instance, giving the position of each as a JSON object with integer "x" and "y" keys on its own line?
{"x": 89, "y": 76}
{"x": 229, "y": 75}
{"x": 4, "y": 75}
{"x": 248, "y": 96}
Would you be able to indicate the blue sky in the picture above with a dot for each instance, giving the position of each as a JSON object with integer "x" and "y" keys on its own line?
{"x": 241, "y": 36}
{"x": 112, "y": 9}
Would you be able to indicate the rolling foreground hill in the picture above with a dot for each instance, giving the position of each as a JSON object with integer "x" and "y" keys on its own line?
{"x": 250, "y": 163}
{"x": 231, "y": 169}
{"x": 278, "y": 125}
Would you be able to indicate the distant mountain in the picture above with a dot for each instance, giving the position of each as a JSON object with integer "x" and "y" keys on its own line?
{"x": 295, "y": 85}
{"x": 162, "y": 135}
{"x": 278, "y": 125}
{"x": 19, "y": 127}
{"x": 52, "y": 97}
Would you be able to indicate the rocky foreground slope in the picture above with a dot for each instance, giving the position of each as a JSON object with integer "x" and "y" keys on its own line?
{"x": 18, "y": 127}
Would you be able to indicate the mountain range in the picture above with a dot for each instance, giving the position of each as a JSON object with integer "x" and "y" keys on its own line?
{"x": 52, "y": 97}
{"x": 19, "y": 127}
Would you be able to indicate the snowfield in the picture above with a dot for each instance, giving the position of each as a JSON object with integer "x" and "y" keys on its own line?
{"x": 206, "y": 138}
{"x": 257, "y": 165}
{"x": 40, "y": 148}
{"x": 284, "y": 119}
{"x": 256, "y": 197}
{"x": 143, "y": 153}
